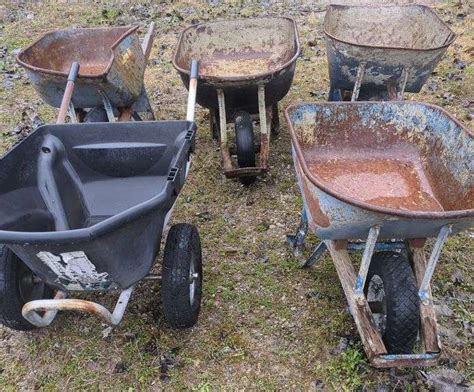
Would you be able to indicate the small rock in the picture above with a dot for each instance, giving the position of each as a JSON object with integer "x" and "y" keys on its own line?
{"x": 312, "y": 43}
{"x": 445, "y": 380}
{"x": 120, "y": 367}
{"x": 204, "y": 215}
{"x": 106, "y": 332}
{"x": 457, "y": 277}
{"x": 263, "y": 260}
{"x": 342, "y": 346}
{"x": 459, "y": 63}
{"x": 470, "y": 116}
{"x": 443, "y": 310}
{"x": 317, "y": 385}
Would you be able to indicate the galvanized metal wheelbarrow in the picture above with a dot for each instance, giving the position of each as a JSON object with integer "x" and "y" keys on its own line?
{"x": 83, "y": 208}
{"x": 382, "y": 178}
{"x": 246, "y": 67}
{"x": 110, "y": 81}
{"x": 375, "y": 52}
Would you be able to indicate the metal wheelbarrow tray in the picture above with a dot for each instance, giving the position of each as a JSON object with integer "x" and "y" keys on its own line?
{"x": 390, "y": 174}
{"x": 372, "y": 49}
{"x": 246, "y": 67}
{"x": 112, "y": 62}
{"x": 83, "y": 208}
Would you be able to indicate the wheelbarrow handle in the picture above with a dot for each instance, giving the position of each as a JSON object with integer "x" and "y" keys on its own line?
{"x": 73, "y": 72}
{"x": 192, "y": 90}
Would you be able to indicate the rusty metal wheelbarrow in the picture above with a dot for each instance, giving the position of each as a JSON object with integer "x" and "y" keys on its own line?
{"x": 382, "y": 177}
{"x": 83, "y": 208}
{"x": 246, "y": 67}
{"x": 380, "y": 51}
{"x": 110, "y": 81}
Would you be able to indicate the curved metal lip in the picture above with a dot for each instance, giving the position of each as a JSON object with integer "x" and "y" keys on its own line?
{"x": 261, "y": 75}
{"x": 158, "y": 201}
{"x": 130, "y": 30}
{"x": 355, "y": 202}
{"x": 450, "y": 41}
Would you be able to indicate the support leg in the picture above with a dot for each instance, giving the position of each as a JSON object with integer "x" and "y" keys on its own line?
{"x": 296, "y": 241}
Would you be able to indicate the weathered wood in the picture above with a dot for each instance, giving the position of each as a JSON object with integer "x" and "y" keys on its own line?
{"x": 429, "y": 329}
{"x": 368, "y": 332}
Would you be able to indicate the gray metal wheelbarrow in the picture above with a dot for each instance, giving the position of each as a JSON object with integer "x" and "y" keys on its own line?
{"x": 384, "y": 177}
{"x": 110, "y": 79}
{"x": 382, "y": 51}
{"x": 246, "y": 67}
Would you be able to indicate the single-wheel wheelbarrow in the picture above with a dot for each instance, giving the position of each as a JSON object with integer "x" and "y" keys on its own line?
{"x": 379, "y": 52}
{"x": 110, "y": 81}
{"x": 382, "y": 177}
{"x": 83, "y": 208}
{"x": 246, "y": 67}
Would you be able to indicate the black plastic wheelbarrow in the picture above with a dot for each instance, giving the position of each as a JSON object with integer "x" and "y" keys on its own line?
{"x": 379, "y": 52}
{"x": 110, "y": 81}
{"x": 246, "y": 67}
{"x": 83, "y": 208}
{"x": 382, "y": 177}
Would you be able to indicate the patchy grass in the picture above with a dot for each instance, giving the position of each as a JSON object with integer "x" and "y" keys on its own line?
{"x": 265, "y": 323}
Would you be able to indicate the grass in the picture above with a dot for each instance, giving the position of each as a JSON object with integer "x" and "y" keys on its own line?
{"x": 265, "y": 323}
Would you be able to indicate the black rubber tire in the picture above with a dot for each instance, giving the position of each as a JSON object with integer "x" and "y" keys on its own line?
{"x": 12, "y": 298}
{"x": 275, "y": 119}
{"x": 244, "y": 141}
{"x": 182, "y": 256}
{"x": 402, "y": 308}
{"x": 97, "y": 114}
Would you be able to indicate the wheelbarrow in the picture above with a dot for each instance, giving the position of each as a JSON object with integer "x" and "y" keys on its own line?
{"x": 246, "y": 67}
{"x": 83, "y": 208}
{"x": 375, "y": 52}
{"x": 382, "y": 177}
{"x": 110, "y": 81}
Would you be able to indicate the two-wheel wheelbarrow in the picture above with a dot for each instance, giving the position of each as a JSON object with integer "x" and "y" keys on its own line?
{"x": 379, "y": 52}
{"x": 110, "y": 81}
{"x": 246, "y": 67}
{"x": 83, "y": 208}
{"x": 383, "y": 177}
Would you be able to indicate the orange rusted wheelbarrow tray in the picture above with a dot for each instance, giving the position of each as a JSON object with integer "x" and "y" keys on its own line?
{"x": 112, "y": 66}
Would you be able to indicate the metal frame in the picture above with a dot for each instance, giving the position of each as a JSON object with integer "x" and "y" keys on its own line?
{"x": 395, "y": 90}
{"x": 265, "y": 117}
{"x": 50, "y": 307}
{"x": 353, "y": 286}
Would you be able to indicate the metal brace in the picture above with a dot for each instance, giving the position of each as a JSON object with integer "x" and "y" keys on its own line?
{"x": 358, "y": 82}
{"x": 296, "y": 241}
{"x": 423, "y": 293}
{"x": 52, "y": 306}
{"x": 108, "y": 108}
{"x": 365, "y": 263}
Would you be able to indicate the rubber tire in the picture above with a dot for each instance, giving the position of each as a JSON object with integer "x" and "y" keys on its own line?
{"x": 11, "y": 301}
{"x": 183, "y": 243}
{"x": 244, "y": 140}
{"x": 97, "y": 114}
{"x": 402, "y": 301}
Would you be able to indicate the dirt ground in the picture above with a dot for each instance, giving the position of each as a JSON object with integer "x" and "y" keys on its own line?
{"x": 265, "y": 323}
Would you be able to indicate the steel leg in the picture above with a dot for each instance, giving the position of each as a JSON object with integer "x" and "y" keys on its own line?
{"x": 296, "y": 241}
{"x": 424, "y": 292}
{"x": 358, "y": 82}
{"x": 365, "y": 263}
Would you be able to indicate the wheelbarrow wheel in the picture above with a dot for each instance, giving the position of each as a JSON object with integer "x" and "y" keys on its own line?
{"x": 393, "y": 298}
{"x": 181, "y": 289}
{"x": 97, "y": 114}
{"x": 18, "y": 285}
{"x": 245, "y": 144}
